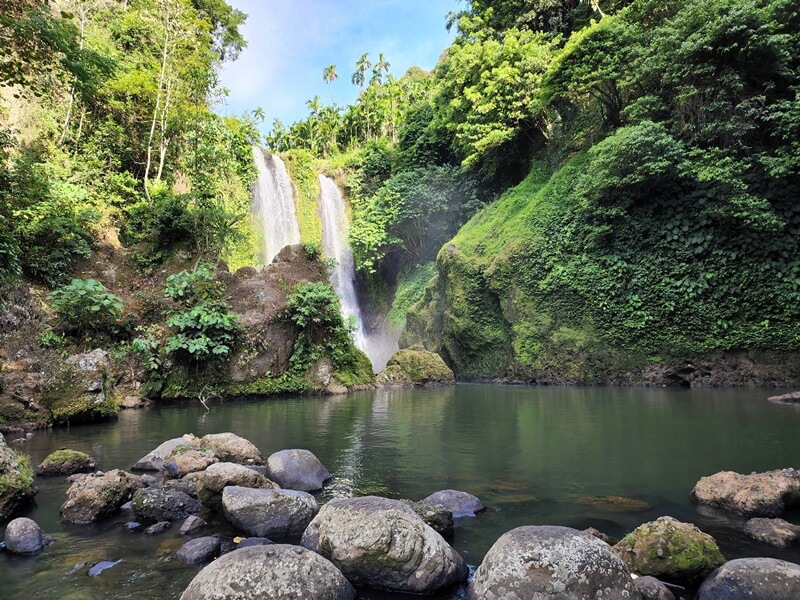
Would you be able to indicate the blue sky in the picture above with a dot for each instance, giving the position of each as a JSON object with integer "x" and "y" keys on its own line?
{"x": 290, "y": 42}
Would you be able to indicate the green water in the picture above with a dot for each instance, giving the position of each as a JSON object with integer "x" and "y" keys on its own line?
{"x": 528, "y": 453}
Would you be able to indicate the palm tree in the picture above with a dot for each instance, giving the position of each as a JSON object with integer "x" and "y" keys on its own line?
{"x": 382, "y": 67}
{"x": 363, "y": 65}
{"x": 595, "y": 4}
{"x": 329, "y": 75}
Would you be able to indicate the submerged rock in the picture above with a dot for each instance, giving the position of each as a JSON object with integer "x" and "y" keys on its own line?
{"x": 217, "y": 477}
{"x": 461, "y": 504}
{"x": 791, "y": 398}
{"x": 269, "y": 513}
{"x": 200, "y": 550}
{"x": 102, "y": 566}
{"x": 98, "y": 496}
{"x": 651, "y": 588}
{"x": 551, "y": 563}
{"x": 154, "y": 460}
{"x": 756, "y": 495}
{"x": 668, "y": 549}
{"x": 278, "y": 572}
{"x": 775, "y": 532}
{"x": 24, "y": 536}
{"x": 66, "y": 462}
{"x": 229, "y": 447}
{"x": 382, "y": 543}
{"x": 158, "y": 528}
{"x": 753, "y": 578}
{"x": 415, "y": 366}
{"x": 297, "y": 470}
{"x": 616, "y": 503}
{"x": 18, "y": 489}
{"x": 158, "y": 504}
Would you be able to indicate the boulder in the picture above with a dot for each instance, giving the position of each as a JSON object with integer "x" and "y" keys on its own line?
{"x": 671, "y": 550}
{"x": 254, "y": 541}
{"x": 187, "y": 485}
{"x": 775, "y": 532}
{"x": 616, "y": 503}
{"x": 790, "y": 398}
{"x": 436, "y": 516}
{"x": 229, "y": 447}
{"x": 269, "y": 513}
{"x": 98, "y": 496}
{"x": 277, "y": 572}
{"x": 66, "y": 462}
{"x": 550, "y": 563}
{"x": 154, "y": 460}
{"x": 461, "y": 504}
{"x": 24, "y": 536}
{"x": 415, "y": 366}
{"x": 158, "y": 528}
{"x": 185, "y": 460}
{"x": 192, "y": 525}
{"x": 297, "y": 470}
{"x": 756, "y": 495}
{"x": 158, "y": 504}
{"x": 754, "y": 578}
{"x": 76, "y": 392}
{"x": 199, "y": 551}
{"x": 382, "y": 543}
{"x": 218, "y": 476}
{"x": 651, "y": 588}
{"x": 16, "y": 474}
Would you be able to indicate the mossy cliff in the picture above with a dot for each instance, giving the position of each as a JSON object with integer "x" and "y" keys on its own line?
{"x": 552, "y": 284}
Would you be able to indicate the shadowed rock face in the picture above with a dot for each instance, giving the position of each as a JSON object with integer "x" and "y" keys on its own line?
{"x": 757, "y": 495}
{"x": 277, "y": 572}
{"x": 652, "y": 589}
{"x": 297, "y": 470}
{"x": 551, "y": 563}
{"x": 156, "y": 504}
{"x": 382, "y": 543}
{"x": 753, "y": 578}
{"x": 278, "y": 514}
{"x": 671, "y": 550}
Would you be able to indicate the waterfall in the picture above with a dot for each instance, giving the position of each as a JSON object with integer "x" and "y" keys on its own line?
{"x": 273, "y": 198}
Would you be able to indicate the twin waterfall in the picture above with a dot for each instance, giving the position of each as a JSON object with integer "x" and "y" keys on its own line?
{"x": 273, "y": 199}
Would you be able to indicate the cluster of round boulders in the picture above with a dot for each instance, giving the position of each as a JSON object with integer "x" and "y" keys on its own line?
{"x": 547, "y": 563}
{"x": 756, "y": 495}
{"x": 218, "y": 476}
{"x": 66, "y": 462}
{"x": 669, "y": 549}
{"x": 384, "y": 544}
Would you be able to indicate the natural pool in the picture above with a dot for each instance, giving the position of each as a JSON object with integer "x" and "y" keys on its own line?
{"x": 529, "y": 453}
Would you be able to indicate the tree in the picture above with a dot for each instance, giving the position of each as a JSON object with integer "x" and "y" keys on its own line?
{"x": 329, "y": 75}
{"x": 363, "y": 65}
{"x": 380, "y": 69}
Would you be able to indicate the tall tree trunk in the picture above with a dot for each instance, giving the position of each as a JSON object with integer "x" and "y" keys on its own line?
{"x": 70, "y": 104}
{"x": 156, "y": 109}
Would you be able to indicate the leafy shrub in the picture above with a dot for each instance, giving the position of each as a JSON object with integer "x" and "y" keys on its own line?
{"x": 85, "y": 305}
{"x": 203, "y": 328}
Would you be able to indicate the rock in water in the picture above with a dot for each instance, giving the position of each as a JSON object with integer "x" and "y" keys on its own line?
{"x": 278, "y": 572}
{"x": 199, "y": 551}
{"x": 217, "y": 477}
{"x": 102, "y": 566}
{"x": 652, "y": 589}
{"x": 18, "y": 489}
{"x": 24, "y": 536}
{"x": 254, "y": 541}
{"x": 95, "y": 497}
{"x": 184, "y": 461}
{"x": 757, "y": 495}
{"x": 277, "y": 514}
{"x": 157, "y": 504}
{"x": 415, "y": 366}
{"x": 158, "y": 528}
{"x": 66, "y": 462}
{"x": 775, "y": 532}
{"x": 551, "y": 563}
{"x": 753, "y": 578}
{"x": 436, "y": 516}
{"x": 382, "y": 543}
{"x": 461, "y": 504}
{"x": 229, "y": 447}
{"x": 668, "y": 549}
{"x": 297, "y": 470}
{"x": 154, "y": 460}
{"x": 616, "y": 503}
{"x": 192, "y": 525}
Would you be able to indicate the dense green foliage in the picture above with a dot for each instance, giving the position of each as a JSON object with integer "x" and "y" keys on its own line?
{"x": 85, "y": 305}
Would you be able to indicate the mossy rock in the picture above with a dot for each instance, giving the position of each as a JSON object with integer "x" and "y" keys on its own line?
{"x": 616, "y": 503}
{"x": 415, "y": 366}
{"x": 66, "y": 462}
{"x": 670, "y": 550}
{"x": 16, "y": 481}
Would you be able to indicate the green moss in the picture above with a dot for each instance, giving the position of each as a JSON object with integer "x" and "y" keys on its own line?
{"x": 13, "y": 483}
{"x": 67, "y": 456}
{"x": 302, "y": 169}
{"x": 357, "y": 370}
{"x": 411, "y": 284}
{"x": 416, "y": 366}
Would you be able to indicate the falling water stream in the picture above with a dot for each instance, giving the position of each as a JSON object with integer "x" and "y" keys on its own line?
{"x": 273, "y": 198}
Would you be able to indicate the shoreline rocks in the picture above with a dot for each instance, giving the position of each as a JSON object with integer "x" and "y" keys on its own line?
{"x": 384, "y": 544}
{"x": 756, "y": 495}
{"x": 550, "y": 563}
